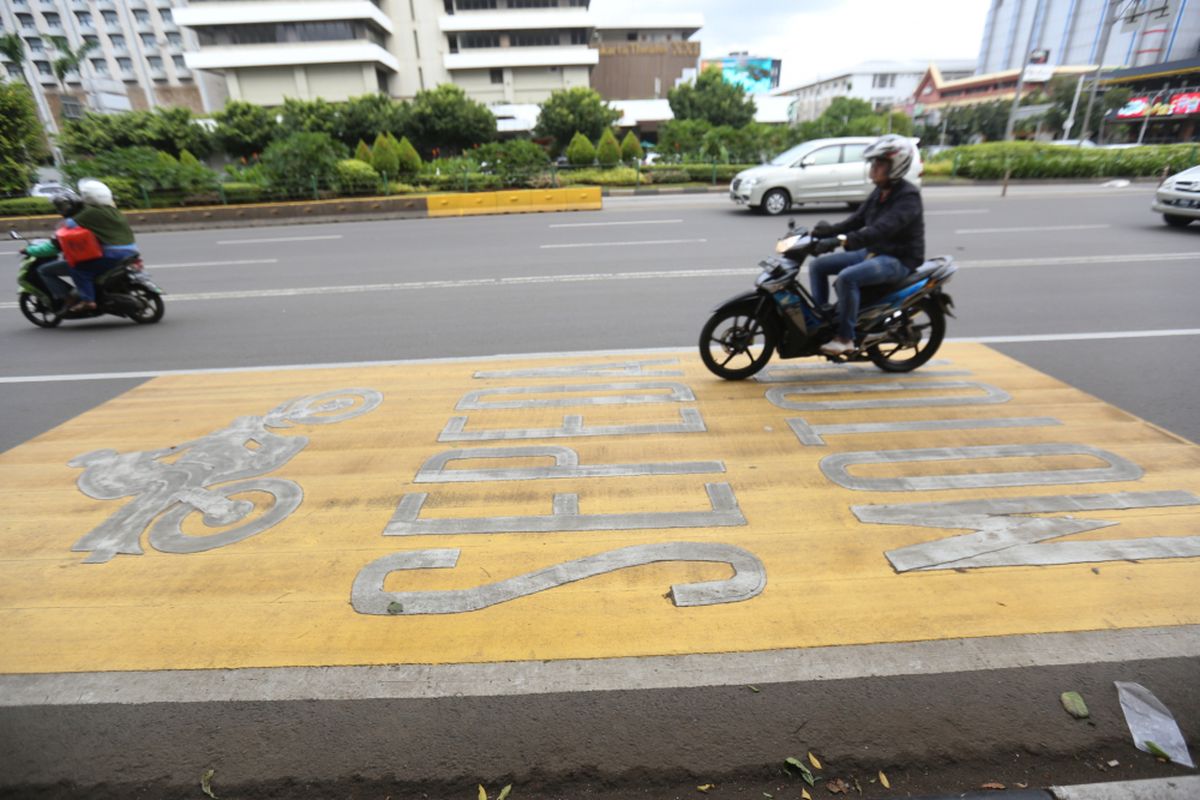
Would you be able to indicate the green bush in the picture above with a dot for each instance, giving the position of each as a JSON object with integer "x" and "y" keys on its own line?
{"x": 362, "y": 152}
{"x": 126, "y": 193}
{"x": 293, "y": 163}
{"x": 145, "y": 166}
{"x": 618, "y": 176}
{"x": 668, "y": 176}
{"x": 990, "y": 160}
{"x": 408, "y": 160}
{"x": 21, "y": 206}
{"x": 237, "y": 192}
{"x": 457, "y": 182}
{"x": 608, "y": 152}
{"x": 355, "y": 177}
{"x": 580, "y": 151}
{"x": 385, "y": 157}
{"x": 631, "y": 148}
{"x": 518, "y": 162}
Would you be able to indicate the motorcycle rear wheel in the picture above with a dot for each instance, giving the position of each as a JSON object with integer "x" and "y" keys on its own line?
{"x": 919, "y": 330}
{"x": 152, "y": 310}
{"x": 738, "y": 338}
{"x": 37, "y": 312}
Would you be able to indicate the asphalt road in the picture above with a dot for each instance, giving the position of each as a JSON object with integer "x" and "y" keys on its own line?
{"x": 1075, "y": 274}
{"x": 1079, "y": 281}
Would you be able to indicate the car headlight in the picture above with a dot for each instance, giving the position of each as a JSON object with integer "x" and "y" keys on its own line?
{"x": 1168, "y": 184}
{"x": 748, "y": 182}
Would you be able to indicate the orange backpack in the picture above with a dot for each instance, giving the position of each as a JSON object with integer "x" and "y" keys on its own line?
{"x": 79, "y": 245}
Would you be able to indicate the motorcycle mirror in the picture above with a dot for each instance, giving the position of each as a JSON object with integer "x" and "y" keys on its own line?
{"x": 14, "y": 235}
{"x": 792, "y": 224}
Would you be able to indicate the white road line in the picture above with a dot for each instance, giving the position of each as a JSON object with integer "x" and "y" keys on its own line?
{"x": 158, "y": 373}
{"x": 1032, "y": 229}
{"x": 153, "y": 267}
{"x": 591, "y": 277}
{"x": 280, "y": 239}
{"x": 9, "y": 252}
{"x": 630, "y": 222}
{"x": 621, "y": 244}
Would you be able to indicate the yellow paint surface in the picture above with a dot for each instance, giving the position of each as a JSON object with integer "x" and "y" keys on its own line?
{"x": 282, "y": 597}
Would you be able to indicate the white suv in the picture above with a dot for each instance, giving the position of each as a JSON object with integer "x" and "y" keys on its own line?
{"x": 819, "y": 171}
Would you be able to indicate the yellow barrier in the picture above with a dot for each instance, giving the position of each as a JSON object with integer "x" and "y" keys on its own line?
{"x": 519, "y": 201}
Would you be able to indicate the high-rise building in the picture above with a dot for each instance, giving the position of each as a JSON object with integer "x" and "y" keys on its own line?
{"x": 883, "y": 84}
{"x": 136, "y": 59}
{"x": 1070, "y": 33}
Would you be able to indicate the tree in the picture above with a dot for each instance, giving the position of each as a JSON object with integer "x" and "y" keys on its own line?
{"x": 12, "y": 46}
{"x": 20, "y": 138}
{"x": 580, "y": 151}
{"x": 69, "y": 58}
{"x": 384, "y": 157}
{"x": 309, "y": 116}
{"x": 631, "y": 148}
{"x": 293, "y": 162}
{"x": 517, "y": 161}
{"x": 169, "y": 129}
{"x": 608, "y": 152}
{"x": 446, "y": 119}
{"x": 713, "y": 99}
{"x": 244, "y": 129}
{"x": 363, "y": 118}
{"x": 681, "y": 138}
{"x": 570, "y": 111}
{"x": 409, "y": 158}
{"x": 362, "y": 152}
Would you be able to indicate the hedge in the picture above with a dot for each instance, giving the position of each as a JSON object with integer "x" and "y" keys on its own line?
{"x": 25, "y": 205}
{"x": 1038, "y": 160}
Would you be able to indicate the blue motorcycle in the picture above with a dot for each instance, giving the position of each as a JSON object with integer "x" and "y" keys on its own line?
{"x": 900, "y": 325}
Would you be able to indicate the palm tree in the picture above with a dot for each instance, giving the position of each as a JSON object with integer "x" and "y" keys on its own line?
{"x": 13, "y": 47}
{"x": 69, "y": 59}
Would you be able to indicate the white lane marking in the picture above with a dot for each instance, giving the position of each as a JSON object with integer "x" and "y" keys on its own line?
{"x": 629, "y": 222}
{"x": 1032, "y": 229}
{"x": 280, "y": 239}
{"x": 958, "y": 211}
{"x": 113, "y": 376}
{"x": 623, "y": 276}
{"x": 153, "y": 267}
{"x": 9, "y": 252}
{"x": 621, "y": 244}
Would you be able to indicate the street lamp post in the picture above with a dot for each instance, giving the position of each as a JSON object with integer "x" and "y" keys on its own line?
{"x": 1110, "y": 19}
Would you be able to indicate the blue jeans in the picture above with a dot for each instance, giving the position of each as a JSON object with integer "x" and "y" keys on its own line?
{"x": 854, "y": 270}
{"x": 52, "y": 274}
{"x": 84, "y": 275}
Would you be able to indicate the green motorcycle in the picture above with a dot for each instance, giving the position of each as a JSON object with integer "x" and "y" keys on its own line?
{"x": 123, "y": 291}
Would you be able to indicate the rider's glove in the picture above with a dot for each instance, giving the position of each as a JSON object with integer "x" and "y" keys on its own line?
{"x": 853, "y": 242}
{"x": 825, "y": 246}
{"x": 822, "y": 229}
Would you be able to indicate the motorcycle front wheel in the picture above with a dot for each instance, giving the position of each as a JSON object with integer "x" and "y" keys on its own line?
{"x": 735, "y": 344}
{"x": 914, "y": 335}
{"x": 36, "y": 311}
{"x": 152, "y": 307}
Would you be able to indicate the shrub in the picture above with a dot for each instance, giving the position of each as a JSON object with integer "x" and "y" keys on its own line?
{"x": 126, "y": 193}
{"x": 518, "y": 161}
{"x": 145, "y": 166}
{"x": 362, "y": 152}
{"x": 631, "y": 148}
{"x": 355, "y": 177}
{"x": 384, "y": 156}
{"x": 409, "y": 161}
{"x": 237, "y": 192}
{"x": 608, "y": 152}
{"x": 580, "y": 151}
{"x": 668, "y": 176}
{"x": 21, "y": 206}
{"x": 620, "y": 176}
{"x": 291, "y": 164}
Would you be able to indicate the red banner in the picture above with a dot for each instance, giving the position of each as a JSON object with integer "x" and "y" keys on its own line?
{"x": 1179, "y": 105}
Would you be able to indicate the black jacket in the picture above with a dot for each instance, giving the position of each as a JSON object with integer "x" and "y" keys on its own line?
{"x": 891, "y": 227}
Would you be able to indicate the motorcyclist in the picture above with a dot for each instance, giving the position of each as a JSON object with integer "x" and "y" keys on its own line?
{"x": 884, "y": 239}
{"x": 98, "y": 214}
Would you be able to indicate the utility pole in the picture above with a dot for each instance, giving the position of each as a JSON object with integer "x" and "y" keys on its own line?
{"x": 1070, "y": 123}
{"x": 1110, "y": 19}
{"x": 1034, "y": 32}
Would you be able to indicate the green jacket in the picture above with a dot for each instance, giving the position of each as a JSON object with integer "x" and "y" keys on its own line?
{"x": 107, "y": 223}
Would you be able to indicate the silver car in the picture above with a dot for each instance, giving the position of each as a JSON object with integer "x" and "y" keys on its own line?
{"x": 818, "y": 171}
{"x": 1178, "y": 198}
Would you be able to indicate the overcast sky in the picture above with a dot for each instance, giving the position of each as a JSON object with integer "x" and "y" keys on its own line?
{"x": 817, "y": 38}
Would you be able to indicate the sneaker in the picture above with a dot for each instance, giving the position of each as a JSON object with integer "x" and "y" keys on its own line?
{"x": 836, "y": 347}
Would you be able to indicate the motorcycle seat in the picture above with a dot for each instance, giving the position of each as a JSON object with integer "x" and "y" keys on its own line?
{"x": 936, "y": 268}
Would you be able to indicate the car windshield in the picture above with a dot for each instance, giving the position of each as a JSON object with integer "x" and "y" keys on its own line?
{"x": 789, "y": 157}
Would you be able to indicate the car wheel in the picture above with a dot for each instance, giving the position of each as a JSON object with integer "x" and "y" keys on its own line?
{"x": 1176, "y": 221}
{"x": 775, "y": 202}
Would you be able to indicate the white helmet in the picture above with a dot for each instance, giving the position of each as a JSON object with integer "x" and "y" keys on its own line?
{"x": 95, "y": 192}
{"x": 895, "y": 149}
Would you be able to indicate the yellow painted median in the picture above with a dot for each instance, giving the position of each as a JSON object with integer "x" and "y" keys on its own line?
{"x": 517, "y": 201}
{"x": 387, "y": 515}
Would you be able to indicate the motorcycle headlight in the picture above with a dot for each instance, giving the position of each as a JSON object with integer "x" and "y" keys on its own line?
{"x": 786, "y": 243}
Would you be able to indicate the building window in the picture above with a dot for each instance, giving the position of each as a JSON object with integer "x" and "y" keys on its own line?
{"x": 125, "y": 64}
{"x": 175, "y": 40}
{"x": 579, "y": 37}
{"x": 883, "y": 81}
{"x": 14, "y": 71}
{"x": 53, "y": 21}
{"x": 35, "y": 45}
{"x": 85, "y": 19}
{"x": 578, "y": 3}
{"x": 475, "y": 5}
{"x": 497, "y": 76}
{"x": 141, "y": 16}
{"x": 148, "y": 39}
{"x": 165, "y": 13}
{"x": 453, "y": 40}
{"x": 479, "y": 39}
{"x": 26, "y": 22}
{"x": 92, "y": 41}
{"x": 101, "y": 66}
{"x": 156, "y": 63}
{"x": 110, "y": 17}
{"x": 534, "y": 38}
{"x": 179, "y": 63}
{"x": 532, "y": 3}
{"x": 118, "y": 42}
{"x": 43, "y": 67}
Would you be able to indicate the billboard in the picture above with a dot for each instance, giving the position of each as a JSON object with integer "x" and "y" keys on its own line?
{"x": 755, "y": 75}
{"x": 1181, "y": 104}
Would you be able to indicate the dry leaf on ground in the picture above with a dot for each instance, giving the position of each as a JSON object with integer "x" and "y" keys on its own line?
{"x": 992, "y": 785}
{"x": 883, "y": 779}
{"x": 837, "y": 786}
